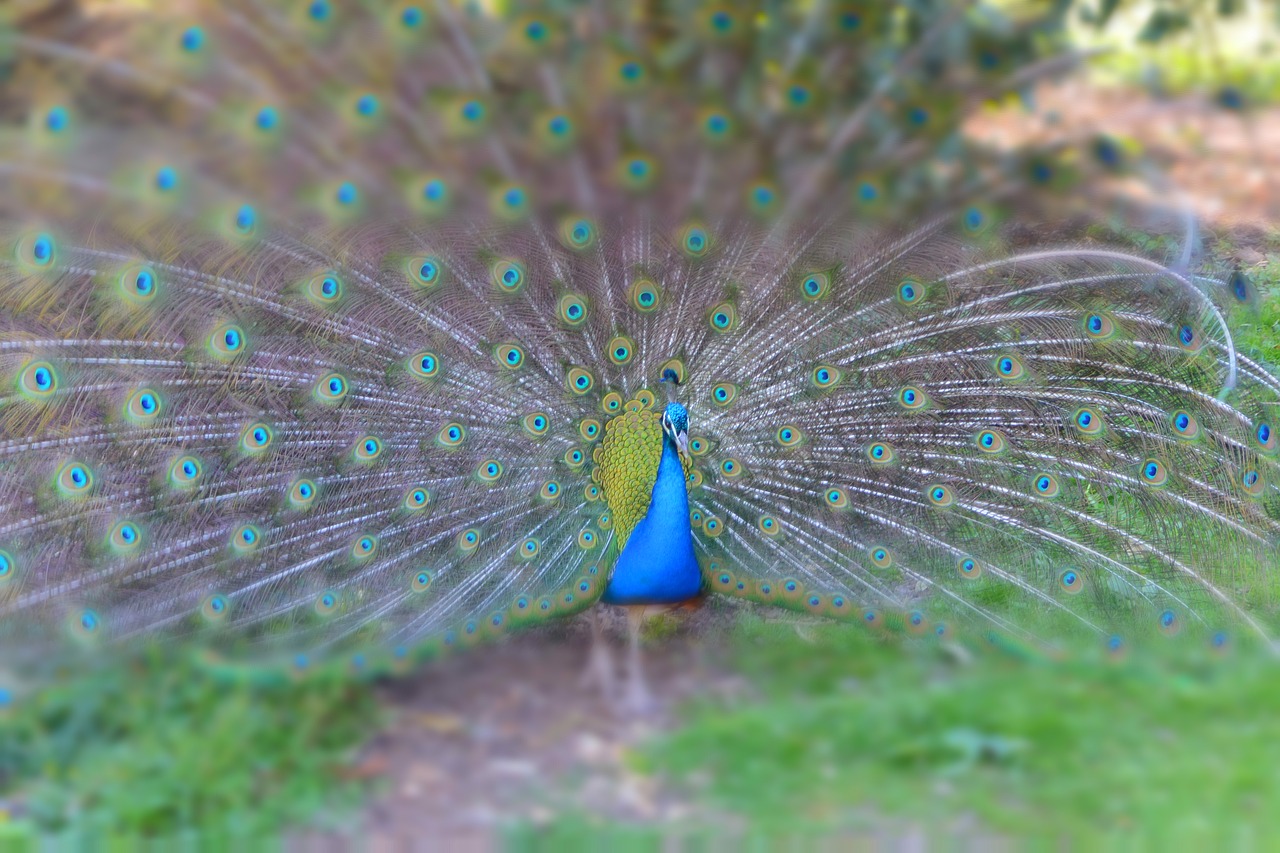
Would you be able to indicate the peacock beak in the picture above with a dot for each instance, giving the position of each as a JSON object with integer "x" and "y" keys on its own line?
{"x": 682, "y": 445}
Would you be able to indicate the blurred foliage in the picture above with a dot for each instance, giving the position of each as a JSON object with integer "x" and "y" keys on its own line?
{"x": 152, "y": 747}
{"x": 1173, "y": 745}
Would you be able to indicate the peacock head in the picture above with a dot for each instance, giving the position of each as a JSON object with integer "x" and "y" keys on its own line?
{"x": 675, "y": 424}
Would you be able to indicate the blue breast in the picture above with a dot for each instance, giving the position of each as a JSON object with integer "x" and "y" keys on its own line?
{"x": 657, "y": 566}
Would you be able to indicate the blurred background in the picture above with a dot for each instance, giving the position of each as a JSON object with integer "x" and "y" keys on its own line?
{"x": 771, "y": 727}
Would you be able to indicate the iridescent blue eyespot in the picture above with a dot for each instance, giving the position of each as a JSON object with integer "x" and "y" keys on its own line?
{"x": 266, "y": 118}
{"x": 166, "y": 178}
{"x": 411, "y": 16}
{"x": 346, "y": 194}
{"x": 57, "y": 119}
{"x": 319, "y": 10}
{"x": 192, "y": 39}
{"x": 367, "y": 105}
{"x": 246, "y": 219}
{"x": 433, "y": 190}
{"x": 42, "y": 249}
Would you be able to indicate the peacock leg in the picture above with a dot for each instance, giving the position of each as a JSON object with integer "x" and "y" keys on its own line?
{"x": 636, "y": 700}
{"x": 599, "y": 671}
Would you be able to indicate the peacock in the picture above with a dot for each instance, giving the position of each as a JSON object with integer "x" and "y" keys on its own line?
{"x": 334, "y": 334}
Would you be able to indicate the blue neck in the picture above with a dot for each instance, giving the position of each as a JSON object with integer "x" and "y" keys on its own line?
{"x": 658, "y": 566}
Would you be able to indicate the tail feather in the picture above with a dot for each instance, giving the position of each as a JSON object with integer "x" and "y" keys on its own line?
{"x": 316, "y": 312}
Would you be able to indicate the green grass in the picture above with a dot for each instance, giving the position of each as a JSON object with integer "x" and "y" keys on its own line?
{"x": 160, "y": 746}
{"x": 1177, "y": 745}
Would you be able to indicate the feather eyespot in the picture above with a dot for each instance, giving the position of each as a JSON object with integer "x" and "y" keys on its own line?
{"x": 1010, "y": 367}
{"x": 227, "y": 342}
{"x": 1251, "y": 481}
{"x": 364, "y": 547}
{"x": 508, "y": 276}
{"x": 575, "y": 457}
{"x": 420, "y": 581}
{"x": 451, "y": 435}
{"x": 185, "y": 472}
{"x": 510, "y": 202}
{"x": 468, "y": 540}
{"x": 587, "y": 539}
{"x": 510, "y": 356}
{"x": 536, "y": 424}
{"x": 1266, "y": 436}
{"x": 724, "y": 317}
{"x": 724, "y": 393}
{"x": 416, "y": 498}
{"x": 769, "y": 525}
{"x": 1153, "y": 472}
{"x": 1071, "y": 581}
{"x": 762, "y": 198}
{"x": 940, "y": 495}
{"x": 125, "y": 537}
{"x": 256, "y": 438}
{"x": 695, "y": 241}
{"x": 836, "y": 498}
{"x": 74, "y": 479}
{"x": 1088, "y": 422}
{"x": 912, "y": 398}
{"x": 489, "y": 471}
{"x": 215, "y": 608}
{"x": 712, "y": 526}
{"x": 723, "y": 580}
{"x": 579, "y": 380}
{"x": 1185, "y": 425}
{"x": 716, "y": 126}
{"x": 815, "y": 285}
{"x": 880, "y": 453}
{"x": 825, "y": 377}
{"x": 611, "y": 403}
{"x": 245, "y": 539}
{"x": 731, "y": 468}
{"x": 138, "y": 285}
{"x": 302, "y": 493}
{"x": 621, "y": 349}
{"x": 324, "y": 290}
{"x": 645, "y": 296}
{"x": 424, "y": 365}
{"x": 969, "y": 568}
{"x": 8, "y": 567}
{"x": 789, "y": 435}
{"x": 426, "y": 272}
{"x": 591, "y": 492}
{"x": 36, "y": 250}
{"x": 85, "y": 625}
{"x": 1240, "y": 287}
{"x": 367, "y": 449}
{"x": 1169, "y": 623}
{"x": 331, "y": 388}
{"x": 38, "y": 381}
{"x": 1046, "y": 485}
{"x": 990, "y": 441}
{"x": 911, "y": 292}
{"x": 1099, "y": 326}
{"x": 325, "y": 605}
{"x": 573, "y": 309}
{"x": 1188, "y": 338}
{"x": 144, "y": 406}
{"x": 578, "y": 233}
{"x": 589, "y": 428}
{"x": 881, "y": 558}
